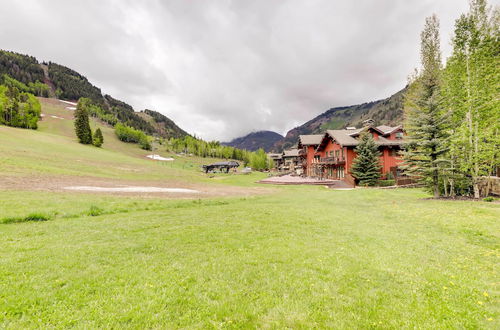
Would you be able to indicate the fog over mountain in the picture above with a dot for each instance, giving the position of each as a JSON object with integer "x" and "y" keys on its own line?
{"x": 221, "y": 69}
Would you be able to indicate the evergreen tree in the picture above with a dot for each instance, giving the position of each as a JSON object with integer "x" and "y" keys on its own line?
{"x": 426, "y": 123}
{"x": 98, "y": 139}
{"x": 366, "y": 166}
{"x": 82, "y": 126}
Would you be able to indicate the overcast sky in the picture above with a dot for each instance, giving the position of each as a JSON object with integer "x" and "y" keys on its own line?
{"x": 222, "y": 68}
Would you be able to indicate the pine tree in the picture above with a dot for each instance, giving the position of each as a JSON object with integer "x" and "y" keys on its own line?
{"x": 82, "y": 126}
{"x": 425, "y": 121}
{"x": 366, "y": 166}
{"x": 98, "y": 139}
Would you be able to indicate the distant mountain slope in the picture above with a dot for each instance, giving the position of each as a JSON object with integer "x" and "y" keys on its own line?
{"x": 162, "y": 124}
{"x": 68, "y": 84}
{"x": 388, "y": 111}
{"x": 253, "y": 141}
{"x": 21, "y": 67}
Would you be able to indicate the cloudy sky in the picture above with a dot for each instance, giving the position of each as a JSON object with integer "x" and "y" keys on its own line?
{"x": 222, "y": 68}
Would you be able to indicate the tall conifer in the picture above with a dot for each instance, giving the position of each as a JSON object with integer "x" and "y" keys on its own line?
{"x": 425, "y": 121}
{"x": 366, "y": 166}
{"x": 82, "y": 126}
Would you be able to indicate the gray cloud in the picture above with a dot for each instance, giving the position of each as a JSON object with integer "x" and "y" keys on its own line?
{"x": 221, "y": 69}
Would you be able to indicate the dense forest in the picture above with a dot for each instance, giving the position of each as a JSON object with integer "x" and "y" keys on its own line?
{"x": 127, "y": 116}
{"x": 71, "y": 85}
{"x": 23, "y": 68}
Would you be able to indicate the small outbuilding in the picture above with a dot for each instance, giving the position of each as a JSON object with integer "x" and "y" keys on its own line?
{"x": 221, "y": 166}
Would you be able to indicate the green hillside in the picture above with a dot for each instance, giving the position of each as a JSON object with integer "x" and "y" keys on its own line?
{"x": 50, "y": 78}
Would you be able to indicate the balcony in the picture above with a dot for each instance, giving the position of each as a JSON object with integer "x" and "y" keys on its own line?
{"x": 332, "y": 160}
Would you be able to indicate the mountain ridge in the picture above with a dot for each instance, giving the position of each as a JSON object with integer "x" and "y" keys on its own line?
{"x": 256, "y": 140}
{"x": 67, "y": 84}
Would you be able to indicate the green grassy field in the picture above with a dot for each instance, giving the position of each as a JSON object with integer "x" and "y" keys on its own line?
{"x": 306, "y": 257}
{"x": 291, "y": 257}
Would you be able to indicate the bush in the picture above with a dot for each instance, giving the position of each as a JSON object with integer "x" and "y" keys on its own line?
{"x": 131, "y": 135}
{"x": 488, "y": 199}
{"x": 386, "y": 183}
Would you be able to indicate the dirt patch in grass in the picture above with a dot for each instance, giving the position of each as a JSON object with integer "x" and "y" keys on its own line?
{"x": 93, "y": 185}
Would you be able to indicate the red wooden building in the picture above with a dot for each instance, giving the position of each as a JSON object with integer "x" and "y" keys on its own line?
{"x": 330, "y": 156}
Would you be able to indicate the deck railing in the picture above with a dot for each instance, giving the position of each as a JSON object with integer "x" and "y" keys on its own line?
{"x": 332, "y": 160}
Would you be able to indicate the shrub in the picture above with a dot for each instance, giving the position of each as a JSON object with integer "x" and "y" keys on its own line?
{"x": 94, "y": 211}
{"x": 129, "y": 134}
{"x": 97, "y": 139}
{"x": 488, "y": 199}
{"x": 386, "y": 183}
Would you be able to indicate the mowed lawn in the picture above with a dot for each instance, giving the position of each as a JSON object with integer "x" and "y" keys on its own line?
{"x": 302, "y": 257}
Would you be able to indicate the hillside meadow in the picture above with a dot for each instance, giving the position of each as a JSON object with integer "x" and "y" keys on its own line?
{"x": 238, "y": 255}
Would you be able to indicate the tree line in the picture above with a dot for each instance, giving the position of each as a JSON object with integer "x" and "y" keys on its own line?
{"x": 258, "y": 160}
{"x": 452, "y": 112}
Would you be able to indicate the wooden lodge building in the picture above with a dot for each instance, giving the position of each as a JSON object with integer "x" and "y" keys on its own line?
{"x": 331, "y": 155}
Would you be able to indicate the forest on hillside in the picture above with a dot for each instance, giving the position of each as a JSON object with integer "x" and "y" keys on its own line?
{"x": 27, "y": 74}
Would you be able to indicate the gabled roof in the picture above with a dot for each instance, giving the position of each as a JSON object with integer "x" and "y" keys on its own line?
{"x": 388, "y": 129}
{"x": 310, "y": 140}
{"x": 346, "y": 137}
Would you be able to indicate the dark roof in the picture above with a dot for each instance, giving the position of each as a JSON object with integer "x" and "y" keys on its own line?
{"x": 309, "y": 140}
{"x": 274, "y": 156}
{"x": 230, "y": 163}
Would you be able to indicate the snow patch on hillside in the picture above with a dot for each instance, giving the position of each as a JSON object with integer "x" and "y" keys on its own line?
{"x": 158, "y": 157}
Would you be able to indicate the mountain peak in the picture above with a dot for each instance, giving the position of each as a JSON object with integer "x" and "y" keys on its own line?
{"x": 255, "y": 140}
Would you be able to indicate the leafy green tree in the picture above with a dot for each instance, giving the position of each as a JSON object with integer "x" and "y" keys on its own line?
{"x": 82, "y": 126}
{"x": 98, "y": 139}
{"x": 258, "y": 160}
{"x": 366, "y": 166}
{"x": 18, "y": 108}
{"x": 426, "y": 122}
{"x": 471, "y": 90}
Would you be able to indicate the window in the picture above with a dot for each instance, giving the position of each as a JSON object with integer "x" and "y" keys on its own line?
{"x": 399, "y": 135}
{"x": 340, "y": 172}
